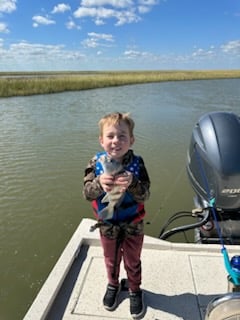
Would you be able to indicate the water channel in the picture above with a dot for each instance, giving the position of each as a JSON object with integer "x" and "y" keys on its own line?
{"x": 46, "y": 142}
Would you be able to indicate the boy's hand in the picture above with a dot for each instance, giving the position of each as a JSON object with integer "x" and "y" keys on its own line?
{"x": 106, "y": 181}
{"x": 124, "y": 180}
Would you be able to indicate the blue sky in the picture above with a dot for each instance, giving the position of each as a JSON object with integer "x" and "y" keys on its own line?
{"x": 42, "y": 35}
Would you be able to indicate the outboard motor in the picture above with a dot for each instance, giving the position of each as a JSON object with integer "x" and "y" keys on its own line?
{"x": 213, "y": 167}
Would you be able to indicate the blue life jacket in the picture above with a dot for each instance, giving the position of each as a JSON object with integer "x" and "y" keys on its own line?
{"x": 129, "y": 208}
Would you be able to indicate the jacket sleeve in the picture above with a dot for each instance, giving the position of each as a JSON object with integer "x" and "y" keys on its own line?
{"x": 140, "y": 186}
{"x": 91, "y": 187}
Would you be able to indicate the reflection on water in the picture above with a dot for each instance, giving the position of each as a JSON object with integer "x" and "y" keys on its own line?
{"x": 46, "y": 141}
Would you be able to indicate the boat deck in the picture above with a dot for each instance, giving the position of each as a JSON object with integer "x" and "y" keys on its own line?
{"x": 179, "y": 280}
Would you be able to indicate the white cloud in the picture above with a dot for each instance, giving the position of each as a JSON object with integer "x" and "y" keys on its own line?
{"x": 148, "y": 2}
{"x": 100, "y": 14}
{"x": 72, "y": 25}
{"x": 113, "y": 3}
{"x": 8, "y": 6}
{"x": 61, "y": 8}
{"x": 3, "y": 28}
{"x": 145, "y": 6}
{"x": 99, "y": 22}
{"x": 143, "y": 9}
{"x": 127, "y": 17}
{"x": 83, "y": 12}
{"x": 35, "y": 56}
{"x": 90, "y": 43}
{"x": 123, "y": 11}
{"x": 103, "y": 36}
{"x": 231, "y": 47}
{"x": 27, "y": 48}
{"x": 132, "y": 54}
{"x": 95, "y": 40}
{"x": 201, "y": 53}
{"x": 40, "y": 20}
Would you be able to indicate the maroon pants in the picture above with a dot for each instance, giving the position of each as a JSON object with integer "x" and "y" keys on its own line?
{"x": 129, "y": 250}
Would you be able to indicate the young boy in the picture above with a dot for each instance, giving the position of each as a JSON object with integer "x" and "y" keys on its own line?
{"x": 121, "y": 233}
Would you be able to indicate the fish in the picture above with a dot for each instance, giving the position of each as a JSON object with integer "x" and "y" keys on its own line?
{"x": 115, "y": 196}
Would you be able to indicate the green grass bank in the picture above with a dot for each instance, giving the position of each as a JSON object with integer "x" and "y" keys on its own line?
{"x": 31, "y": 83}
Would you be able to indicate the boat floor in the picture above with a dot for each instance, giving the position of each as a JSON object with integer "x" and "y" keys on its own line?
{"x": 178, "y": 281}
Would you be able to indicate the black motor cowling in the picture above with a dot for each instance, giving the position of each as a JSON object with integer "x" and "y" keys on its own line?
{"x": 213, "y": 167}
{"x": 213, "y": 160}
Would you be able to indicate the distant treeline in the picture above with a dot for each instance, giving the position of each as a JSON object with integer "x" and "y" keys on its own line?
{"x": 31, "y": 83}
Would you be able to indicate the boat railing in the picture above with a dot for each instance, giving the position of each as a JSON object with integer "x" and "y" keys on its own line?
{"x": 224, "y": 307}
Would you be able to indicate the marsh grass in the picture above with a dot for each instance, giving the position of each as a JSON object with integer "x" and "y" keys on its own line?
{"x": 31, "y": 83}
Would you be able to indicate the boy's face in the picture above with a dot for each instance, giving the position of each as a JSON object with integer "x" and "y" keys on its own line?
{"x": 116, "y": 140}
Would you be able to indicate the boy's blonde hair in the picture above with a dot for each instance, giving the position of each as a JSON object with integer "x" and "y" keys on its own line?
{"x": 116, "y": 118}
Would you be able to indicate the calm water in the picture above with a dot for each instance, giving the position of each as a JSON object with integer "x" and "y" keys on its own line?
{"x": 46, "y": 142}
